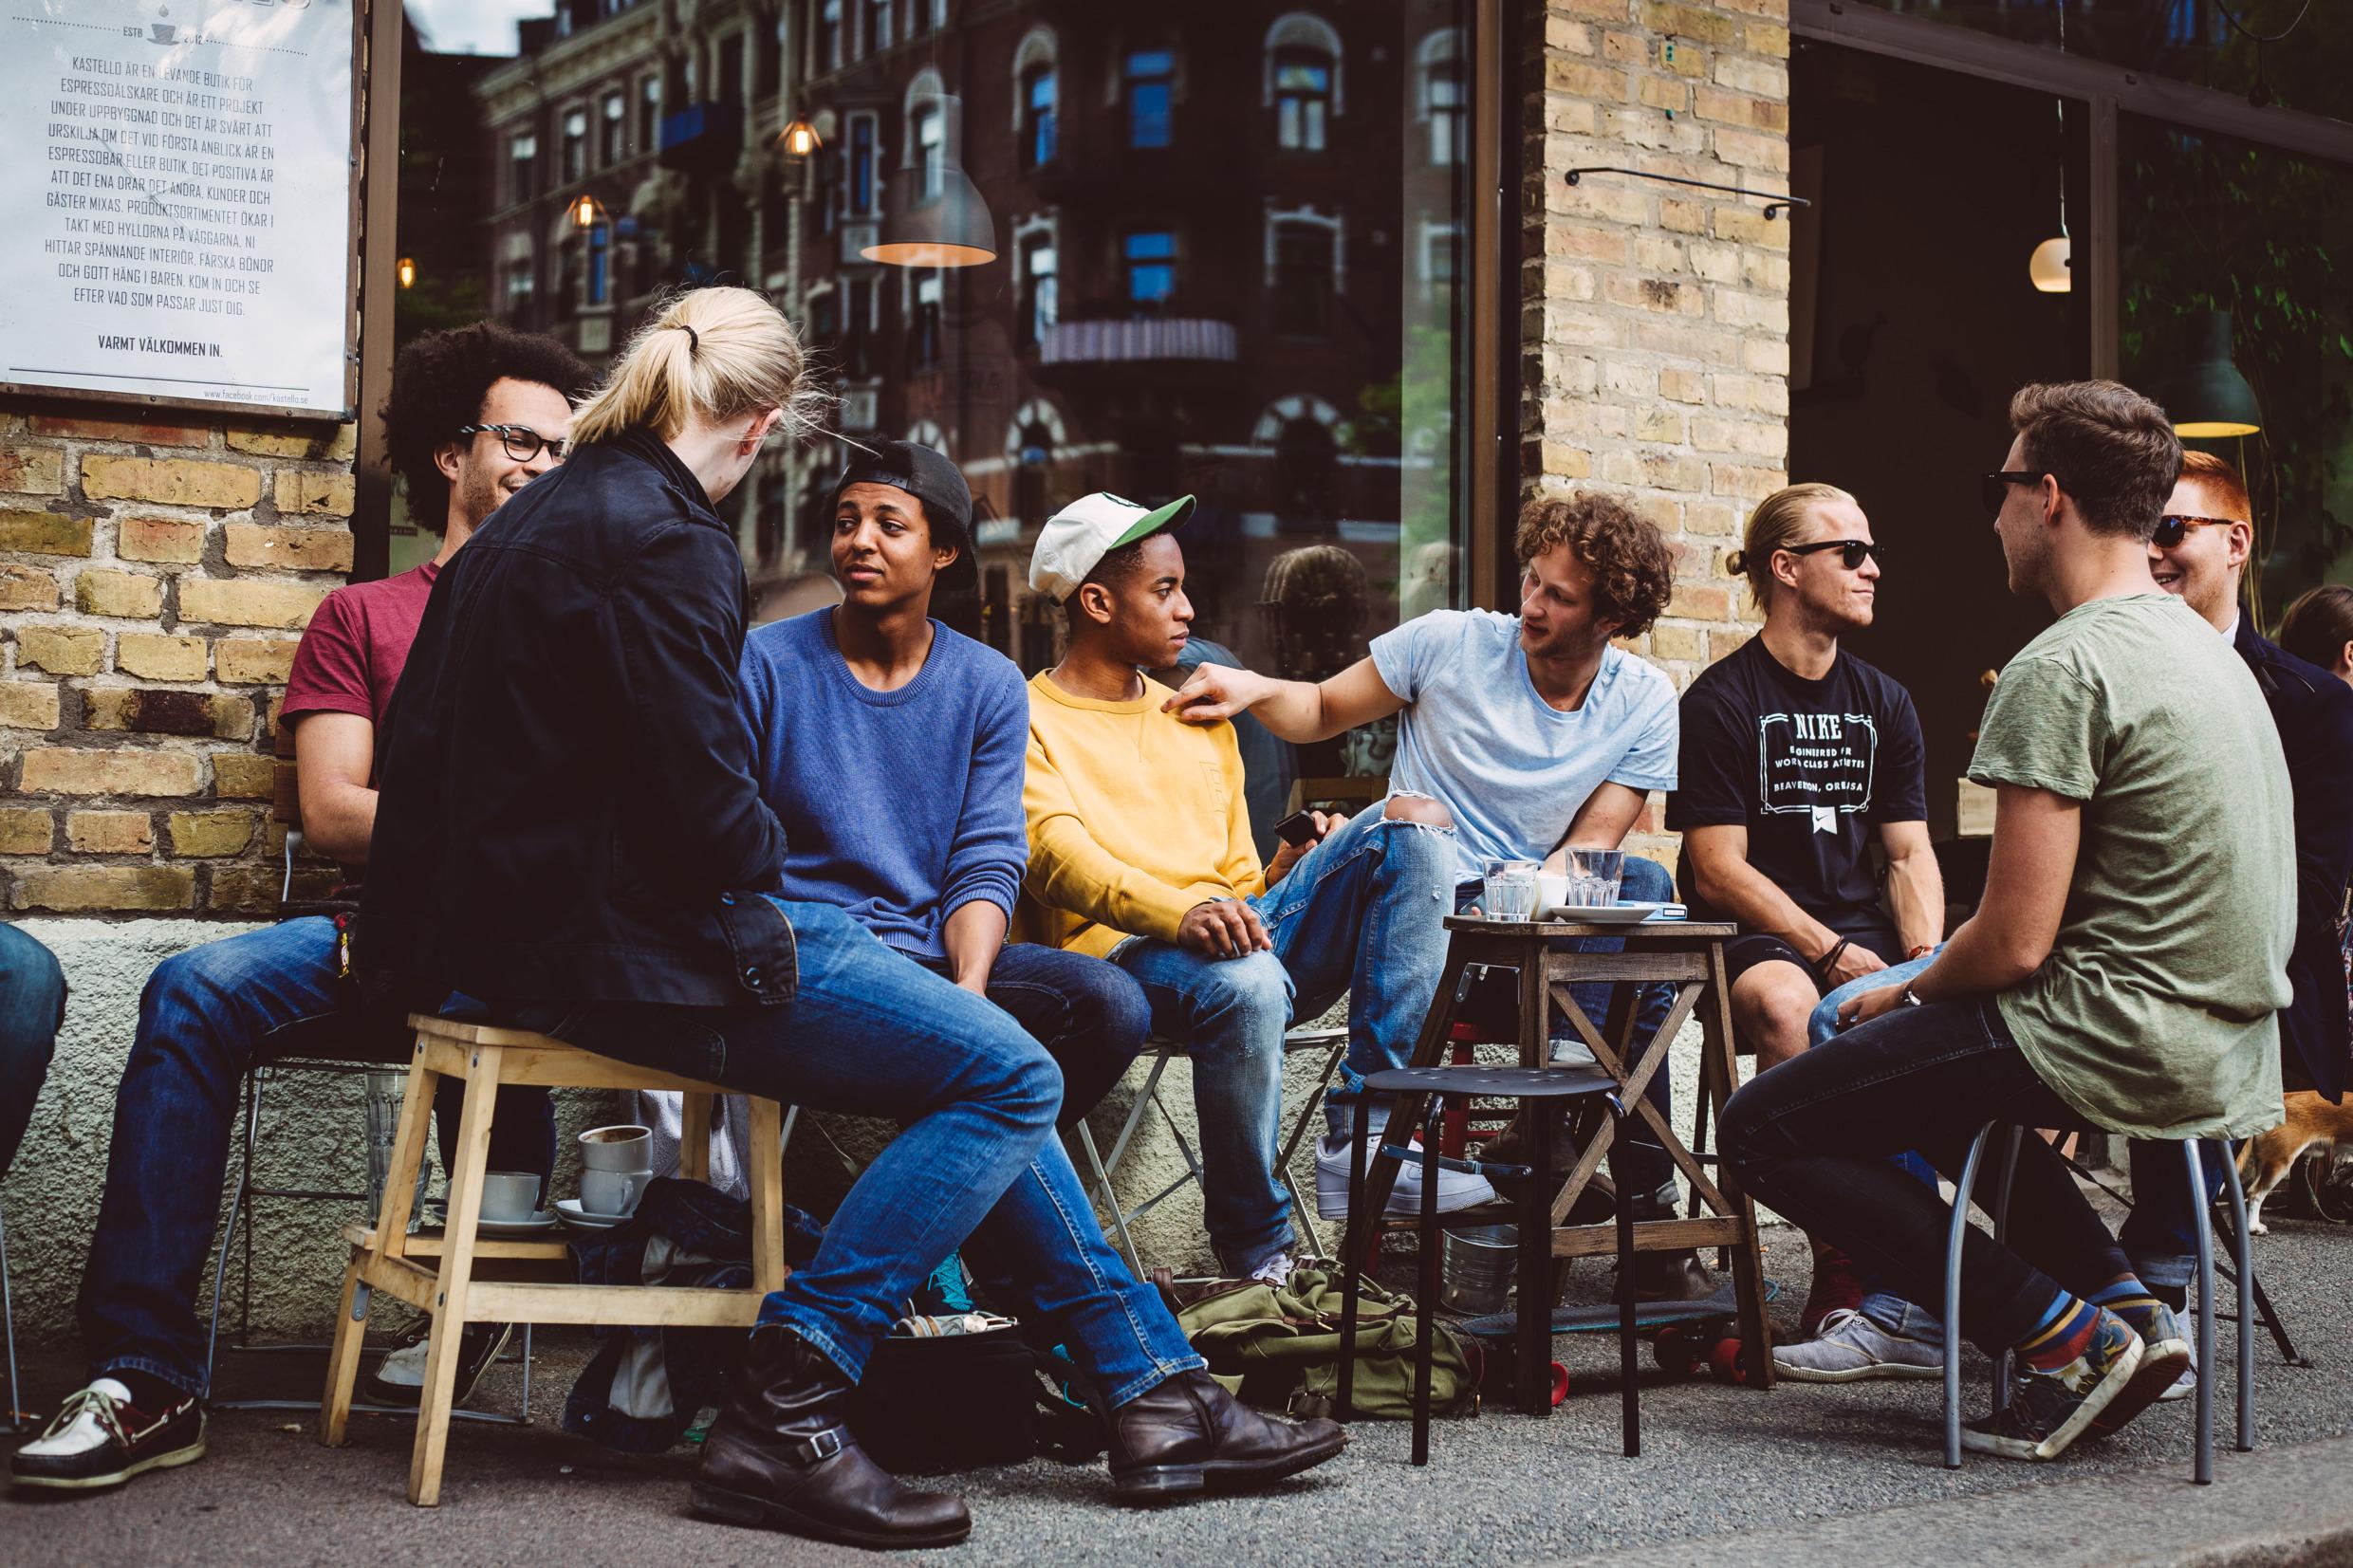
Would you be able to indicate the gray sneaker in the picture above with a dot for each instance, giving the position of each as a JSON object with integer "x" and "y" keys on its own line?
{"x": 1851, "y": 1347}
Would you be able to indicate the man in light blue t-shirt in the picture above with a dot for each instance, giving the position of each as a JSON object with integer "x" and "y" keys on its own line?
{"x": 1538, "y": 735}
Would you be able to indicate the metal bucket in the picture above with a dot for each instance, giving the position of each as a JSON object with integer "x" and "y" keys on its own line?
{"x": 1476, "y": 1268}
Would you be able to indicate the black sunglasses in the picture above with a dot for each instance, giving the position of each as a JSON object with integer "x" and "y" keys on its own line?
{"x": 1994, "y": 487}
{"x": 521, "y": 442}
{"x": 1851, "y": 552}
{"x": 2172, "y": 529}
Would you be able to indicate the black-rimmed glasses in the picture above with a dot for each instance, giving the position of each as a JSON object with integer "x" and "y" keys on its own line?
{"x": 1994, "y": 487}
{"x": 2173, "y": 528}
{"x": 521, "y": 442}
{"x": 1851, "y": 552}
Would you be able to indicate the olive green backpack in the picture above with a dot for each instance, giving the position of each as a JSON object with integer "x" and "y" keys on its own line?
{"x": 1278, "y": 1346}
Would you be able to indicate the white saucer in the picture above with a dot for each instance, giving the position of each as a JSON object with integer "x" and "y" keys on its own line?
{"x": 538, "y": 1225}
{"x": 1602, "y": 915}
{"x": 572, "y": 1213}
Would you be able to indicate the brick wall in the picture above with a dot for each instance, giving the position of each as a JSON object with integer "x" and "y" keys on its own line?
{"x": 1656, "y": 328}
{"x": 155, "y": 572}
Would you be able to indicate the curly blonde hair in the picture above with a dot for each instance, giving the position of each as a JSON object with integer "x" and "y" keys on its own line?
{"x": 1633, "y": 573}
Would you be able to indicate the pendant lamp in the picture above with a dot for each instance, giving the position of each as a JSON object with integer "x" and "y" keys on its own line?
{"x": 2209, "y": 397}
{"x": 932, "y": 215}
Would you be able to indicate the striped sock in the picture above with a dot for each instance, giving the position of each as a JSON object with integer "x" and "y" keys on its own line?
{"x": 2063, "y": 1333}
{"x": 2131, "y": 1300}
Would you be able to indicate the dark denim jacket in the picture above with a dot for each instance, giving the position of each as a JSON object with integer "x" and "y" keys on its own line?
{"x": 567, "y": 810}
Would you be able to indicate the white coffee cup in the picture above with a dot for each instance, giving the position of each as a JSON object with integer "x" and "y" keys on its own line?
{"x": 509, "y": 1195}
{"x": 626, "y": 1147}
{"x": 612, "y": 1191}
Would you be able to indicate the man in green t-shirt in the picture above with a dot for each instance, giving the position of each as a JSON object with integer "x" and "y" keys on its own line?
{"x": 2121, "y": 973}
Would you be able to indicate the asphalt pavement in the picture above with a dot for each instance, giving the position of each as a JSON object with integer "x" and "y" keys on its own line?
{"x": 1726, "y": 1473}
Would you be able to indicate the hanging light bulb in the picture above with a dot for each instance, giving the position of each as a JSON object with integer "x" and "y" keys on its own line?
{"x": 406, "y": 269}
{"x": 2048, "y": 268}
{"x": 586, "y": 211}
{"x": 799, "y": 138}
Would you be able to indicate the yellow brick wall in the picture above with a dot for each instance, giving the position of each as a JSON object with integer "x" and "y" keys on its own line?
{"x": 1655, "y": 333}
{"x": 156, "y": 573}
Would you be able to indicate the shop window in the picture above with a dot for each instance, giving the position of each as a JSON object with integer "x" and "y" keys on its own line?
{"x": 1303, "y": 278}
{"x": 923, "y": 331}
{"x": 862, "y": 170}
{"x": 613, "y": 130}
{"x": 1038, "y": 287}
{"x": 1037, "y": 123}
{"x": 521, "y": 167}
{"x": 1303, "y": 99}
{"x": 649, "y": 114}
{"x": 928, "y": 134}
{"x": 826, "y": 36}
{"x": 1440, "y": 96}
{"x": 1150, "y": 256}
{"x": 1151, "y": 77}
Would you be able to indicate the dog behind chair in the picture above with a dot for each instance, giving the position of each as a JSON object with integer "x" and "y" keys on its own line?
{"x": 2266, "y": 1160}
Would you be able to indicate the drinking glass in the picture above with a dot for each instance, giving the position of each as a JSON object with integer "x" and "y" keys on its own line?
{"x": 1511, "y": 889}
{"x": 1594, "y": 876}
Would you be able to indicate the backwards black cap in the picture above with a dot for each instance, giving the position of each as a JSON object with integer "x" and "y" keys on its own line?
{"x": 923, "y": 473}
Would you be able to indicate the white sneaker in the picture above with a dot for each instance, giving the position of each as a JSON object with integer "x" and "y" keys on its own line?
{"x": 1456, "y": 1189}
{"x": 1850, "y": 1347}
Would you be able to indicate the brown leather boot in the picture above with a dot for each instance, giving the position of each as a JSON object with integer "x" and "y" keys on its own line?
{"x": 1189, "y": 1434}
{"x": 780, "y": 1458}
{"x": 1669, "y": 1276}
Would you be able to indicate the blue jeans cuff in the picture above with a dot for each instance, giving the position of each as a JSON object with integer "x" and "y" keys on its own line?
{"x": 776, "y": 1312}
{"x": 193, "y": 1387}
{"x": 1144, "y": 1382}
{"x": 1898, "y": 1316}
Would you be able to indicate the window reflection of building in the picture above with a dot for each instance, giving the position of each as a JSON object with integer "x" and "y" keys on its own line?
{"x": 1151, "y": 269}
{"x": 1151, "y": 94}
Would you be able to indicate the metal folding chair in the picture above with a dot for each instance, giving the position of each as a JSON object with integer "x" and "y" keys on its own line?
{"x": 1333, "y": 1042}
{"x": 12, "y": 1419}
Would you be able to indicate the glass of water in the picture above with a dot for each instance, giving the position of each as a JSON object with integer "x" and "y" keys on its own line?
{"x": 1511, "y": 889}
{"x": 1594, "y": 876}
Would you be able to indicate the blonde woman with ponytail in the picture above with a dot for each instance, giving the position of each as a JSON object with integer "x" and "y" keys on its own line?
{"x": 569, "y": 831}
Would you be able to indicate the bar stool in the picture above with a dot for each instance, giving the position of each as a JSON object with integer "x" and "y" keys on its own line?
{"x": 435, "y": 1273}
{"x": 2203, "y": 1464}
{"x": 1543, "y": 1093}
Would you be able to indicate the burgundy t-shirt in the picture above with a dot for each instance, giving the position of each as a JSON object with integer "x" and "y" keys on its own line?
{"x": 351, "y": 654}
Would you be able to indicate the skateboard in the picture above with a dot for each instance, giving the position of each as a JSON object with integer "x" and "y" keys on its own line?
{"x": 1685, "y": 1336}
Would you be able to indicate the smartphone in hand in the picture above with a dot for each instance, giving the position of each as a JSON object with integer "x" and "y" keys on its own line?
{"x": 1297, "y": 829}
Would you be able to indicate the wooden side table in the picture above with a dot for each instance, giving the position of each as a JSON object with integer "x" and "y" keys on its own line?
{"x": 1688, "y": 954}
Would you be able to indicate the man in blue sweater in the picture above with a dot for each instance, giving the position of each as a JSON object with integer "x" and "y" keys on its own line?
{"x": 892, "y": 750}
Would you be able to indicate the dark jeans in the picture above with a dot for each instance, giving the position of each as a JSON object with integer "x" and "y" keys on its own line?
{"x": 870, "y": 1032}
{"x": 1813, "y": 1139}
{"x": 2160, "y": 1233}
{"x": 203, "y": 1017}
{"x": 1090, "y": 1017}
{"x": 32, "y": 1006}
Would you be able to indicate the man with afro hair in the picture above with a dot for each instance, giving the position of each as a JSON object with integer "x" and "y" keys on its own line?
{"x": 476, "y": 413}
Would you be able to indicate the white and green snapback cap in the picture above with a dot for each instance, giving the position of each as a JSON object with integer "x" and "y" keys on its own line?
{"x": 1075, "y": 538}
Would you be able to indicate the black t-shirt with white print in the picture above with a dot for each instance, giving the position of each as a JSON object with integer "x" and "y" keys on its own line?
{"x": 1809, "y": 767}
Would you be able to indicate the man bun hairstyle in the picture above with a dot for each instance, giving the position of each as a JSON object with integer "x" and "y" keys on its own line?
{"x": 2215, "y": 476}
{"x": 2319, "y": 624}
{"x": 1774, "y": 526}
{"x": 720, "y": 352}
{"x": 2113, "y": 452}
{"x": 441, "y": 381}
{"x": 1633, "y": 574}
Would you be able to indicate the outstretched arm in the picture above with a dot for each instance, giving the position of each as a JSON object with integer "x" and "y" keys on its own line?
{"x": 1296, "y": 711}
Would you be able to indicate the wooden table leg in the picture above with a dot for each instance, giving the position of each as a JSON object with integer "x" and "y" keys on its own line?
{"x": 766, "y": 1177}
{"x": 392, "y": 1224}
{"x": 448, "y": 1337}
{"x": 1748, "y": 1259}
{"x": 342, "y": 1361}
{"x": 694, "y": 1119}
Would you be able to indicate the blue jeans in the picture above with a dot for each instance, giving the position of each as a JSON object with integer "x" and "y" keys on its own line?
{"x": 2160, "y": 1235}
{"x": 871, "y": 1032}
{"x": 1090, "y": 1017}
{"x": 203, "y": 1017}
{"x": 1361, "y": 912}
{"x": 32, "y": 1006}
{"x": 1813, "y": 1138}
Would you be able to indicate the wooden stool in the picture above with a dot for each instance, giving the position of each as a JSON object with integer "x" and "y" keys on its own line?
{"x": 434, "y": 1271}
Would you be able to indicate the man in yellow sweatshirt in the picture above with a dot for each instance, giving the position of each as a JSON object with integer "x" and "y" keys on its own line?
{"x": 1141, "y": 852}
